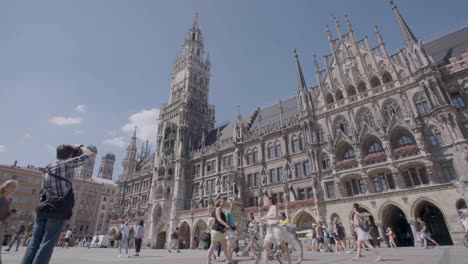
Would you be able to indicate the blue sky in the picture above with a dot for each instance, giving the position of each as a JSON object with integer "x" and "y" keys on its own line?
{"x": 88, "y": 71}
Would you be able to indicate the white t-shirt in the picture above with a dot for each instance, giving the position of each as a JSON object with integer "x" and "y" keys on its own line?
{"x": 68, "y": 234}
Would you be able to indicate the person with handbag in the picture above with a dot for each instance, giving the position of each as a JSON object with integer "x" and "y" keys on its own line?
{"x": 124, "y": 232}
{"x": 218, "y": 232}
{"x": 361, "y": 229}
{"x": 56, "y": 202}
{"x": 139, "y": 237}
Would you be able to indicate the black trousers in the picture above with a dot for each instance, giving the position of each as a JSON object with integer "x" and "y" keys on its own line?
{"x": 137, "y": 244}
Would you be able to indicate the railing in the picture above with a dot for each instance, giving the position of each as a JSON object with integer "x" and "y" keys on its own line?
{"x": 346, "y": 164}
{"x": 374, "y": 158}
{"x": 405, "y": 151}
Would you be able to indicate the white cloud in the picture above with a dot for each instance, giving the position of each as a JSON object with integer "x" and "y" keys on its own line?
{"x": 146, "y": 122}
{"x": 2, "y": 148}
{"x": 116, "y": 142}
{"x": 65, "y": 121}
{"x": 81, "y": 108}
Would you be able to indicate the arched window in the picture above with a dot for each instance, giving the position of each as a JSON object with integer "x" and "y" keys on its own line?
{"x": 339, "y": 95}
{"x": 351, "y": 90}
{"x": 301, "y": 142}
{"x": 365, "y": 117}
{"x": 326, "y": 164}
{"x": 435, "y": 137}
{"x": 342, "y": 125}
{"x": 386, "y": 77}
{"x": 295, "y": 144}
{"x": 374, "y": 148}
{"x": 421, "y": 104}
{"x": 330, "y": 99}
{"x": 361, "y": 87}
{"x": 404, "y": 140}
{"x": 321, "y": 135}
{"x": 271, "y": 151}
{"x": 278, "y": 152}
{"x": 375, "y": 82}
{"x": 254, "y": 156}
{"x": 392, "y": 109}
{"x": 457, "y": 99}
{"x": 248, "y": 157}
{"x": 349, "y": 154}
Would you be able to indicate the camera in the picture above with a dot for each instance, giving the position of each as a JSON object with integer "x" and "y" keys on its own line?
{"x": 77, "y": 151}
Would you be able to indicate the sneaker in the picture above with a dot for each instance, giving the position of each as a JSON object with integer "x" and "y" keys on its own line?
{"x": 170, "y": 251}
{"x": 128, "y": 256}
{"x": 7, "y": 250}
{"x": 136, "y": 255}
{"x": 178, "y": 251}
{"x": 120, "y": 256}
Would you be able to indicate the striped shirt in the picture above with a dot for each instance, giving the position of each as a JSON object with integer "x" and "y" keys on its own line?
{"x": 63, "y": 168}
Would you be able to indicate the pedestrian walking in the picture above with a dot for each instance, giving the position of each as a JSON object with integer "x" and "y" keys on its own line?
{"x": 252, "y": 230}
{"x": 218, "y": 232}
{"x": 140, "y": 232}
{"x": 425, "y": 234}
{"x": 391, "y": 237}
{"x": 231, "y": 232}
{"x": 283, "y": 219}
{"x": 17, "y": 237}
{"x": 174, "y": 241}
{"x": 340, "y": 235}
{"x": 361, "y": 229}
{"x": 57, "y": 189}
{"x": 125, "y": 232}
{"x": 67, "y": 238}
{"x": 276, "y": 234}
{"x": 7, "y": 189}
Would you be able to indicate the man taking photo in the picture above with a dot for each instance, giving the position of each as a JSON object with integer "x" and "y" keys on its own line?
{"x": 57, "y": 192}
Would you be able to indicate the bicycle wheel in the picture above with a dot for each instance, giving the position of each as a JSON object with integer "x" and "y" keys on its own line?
{"x": 245, "y": 253}
{"x": 296, "y": 251}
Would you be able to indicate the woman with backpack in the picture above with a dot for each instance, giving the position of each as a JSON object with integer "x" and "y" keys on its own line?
{"x": 361, "y": 228}
{"x": 340, "y": 235}
{"x": 218, "y": 232}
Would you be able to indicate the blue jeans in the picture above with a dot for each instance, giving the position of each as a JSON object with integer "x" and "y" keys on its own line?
{"x": 123, "y": 243}
{"x": 17, "y": 239}
{"x": 45, "y": 235}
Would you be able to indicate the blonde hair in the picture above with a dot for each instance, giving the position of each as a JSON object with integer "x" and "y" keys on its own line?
{"x": 5, "y": 184}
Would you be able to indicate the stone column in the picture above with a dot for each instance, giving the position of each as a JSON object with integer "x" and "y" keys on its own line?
{"x": 412, "y": 224}
{"x": 397, "y": 179}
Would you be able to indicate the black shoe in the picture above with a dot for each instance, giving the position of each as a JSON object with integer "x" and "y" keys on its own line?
{"x": 7, "y": 249}
{"x": 178, "y": 251}
{"x": 170, "y": 251}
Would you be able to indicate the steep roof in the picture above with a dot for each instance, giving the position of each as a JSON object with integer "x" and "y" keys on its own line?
{"x": 450, "y": 45}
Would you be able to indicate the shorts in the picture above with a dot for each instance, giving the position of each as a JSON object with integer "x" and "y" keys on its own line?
{"x": 320, "y": 240}
{"x": 217, "y": 236}
{"x": 231, "y": 234}
{"x": 66, "y": 240}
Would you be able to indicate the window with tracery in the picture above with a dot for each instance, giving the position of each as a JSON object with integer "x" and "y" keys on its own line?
{"x": 421, "y": 104}
{"x": 374, "y": 148}
{"x": 435, "y": 137}
{"x": 365, "y": 117}
{"x": 349, "y": 154}
{"x": 342, "y": 125}
{"x": 392, "y": 109}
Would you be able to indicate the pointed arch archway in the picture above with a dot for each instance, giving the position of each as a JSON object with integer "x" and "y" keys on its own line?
{"x": 198, "y": 228}
{"x": 393, "y": 217}
{"x": 184, "y": 235}
{"x": 435, "y": 220}
{"x": 304, "y": 220}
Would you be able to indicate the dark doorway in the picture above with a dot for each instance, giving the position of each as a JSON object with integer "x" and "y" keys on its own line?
{"x": 435, "y": 221}
{"x": 161, "y": 240}
{"x": 394, "y": 218}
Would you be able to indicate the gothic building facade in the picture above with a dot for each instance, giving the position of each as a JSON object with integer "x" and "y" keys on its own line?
{"x": 386, "y": 130}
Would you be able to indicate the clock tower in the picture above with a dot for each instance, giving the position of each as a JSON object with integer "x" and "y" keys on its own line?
{"x": 182, "y": 123}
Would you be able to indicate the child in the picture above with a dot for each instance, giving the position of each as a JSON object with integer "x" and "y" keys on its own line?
{"x": 391, "y": 237}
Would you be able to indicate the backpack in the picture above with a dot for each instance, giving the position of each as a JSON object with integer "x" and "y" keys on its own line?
{"x": 364, "y": 225}
{"x": 393, "y": 235}
{"x": 205, "y": 237}
{"x": 174, "y": 235}
{"x": 56, "y": 208}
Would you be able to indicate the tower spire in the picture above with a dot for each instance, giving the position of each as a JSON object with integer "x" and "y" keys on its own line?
{"x": 408, "y": 35}
{"x": 301, "y": 84}
{"x": 195, "y": 26}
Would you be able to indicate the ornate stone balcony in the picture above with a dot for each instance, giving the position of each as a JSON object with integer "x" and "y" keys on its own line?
{"x": 374, "y": 158}
{"x": 346, "y": 164}
{"x": 406, "y": 151}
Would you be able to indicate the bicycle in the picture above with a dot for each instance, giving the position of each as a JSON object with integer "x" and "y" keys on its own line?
{"x": 276, "y": 254}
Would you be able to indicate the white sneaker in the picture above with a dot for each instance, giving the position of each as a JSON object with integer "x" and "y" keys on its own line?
{"x": 128, "y": 256}
{"x": 120, "y": 256}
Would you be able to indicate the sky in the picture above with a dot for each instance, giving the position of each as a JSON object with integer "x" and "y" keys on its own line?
{"x": 87, "y": 72}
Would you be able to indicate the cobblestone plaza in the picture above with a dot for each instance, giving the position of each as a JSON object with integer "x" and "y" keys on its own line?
{"x": 444, "y": 255}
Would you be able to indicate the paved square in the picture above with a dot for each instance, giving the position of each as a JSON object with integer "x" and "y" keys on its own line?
{"x": 444, "y": 255}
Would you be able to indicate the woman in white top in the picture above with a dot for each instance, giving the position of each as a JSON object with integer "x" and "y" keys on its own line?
{"x": 275, "y": 233}
{"x": 362, "y": 237}
{"x": 125, "y": 230}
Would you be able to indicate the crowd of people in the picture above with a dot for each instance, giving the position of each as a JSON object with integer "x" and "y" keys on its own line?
{"x": 221, "y": 235}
